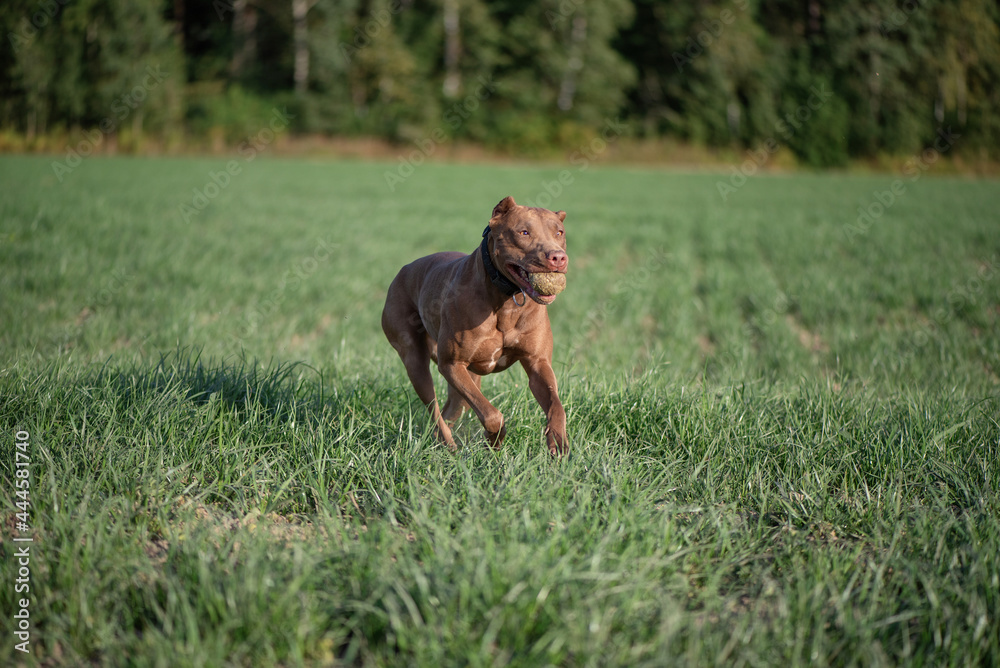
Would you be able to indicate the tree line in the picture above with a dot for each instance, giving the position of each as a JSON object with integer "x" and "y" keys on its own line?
{"x": 828, "y": 80}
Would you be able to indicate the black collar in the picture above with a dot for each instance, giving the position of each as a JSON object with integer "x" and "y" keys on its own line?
{"x": 502, "y": 283}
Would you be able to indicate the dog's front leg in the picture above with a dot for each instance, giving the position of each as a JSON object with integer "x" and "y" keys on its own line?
{"x": 542, "y": 382}
{"x": 459, "y": 376}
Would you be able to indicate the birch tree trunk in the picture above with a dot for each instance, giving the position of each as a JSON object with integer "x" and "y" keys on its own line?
{"x": 452, "y": 49}
{"x": 567, "y": 88}
{"x": 245, "y": 30}
{"x": 300, "y": 12}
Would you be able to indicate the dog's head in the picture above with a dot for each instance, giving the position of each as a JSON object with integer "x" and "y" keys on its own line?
{"x": 529, "y": 248}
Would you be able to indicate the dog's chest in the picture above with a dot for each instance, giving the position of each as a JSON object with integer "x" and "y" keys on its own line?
{"x": 496, "y": 354}
{"x": 498, "y": 351}
{"x": 506, "y": 344}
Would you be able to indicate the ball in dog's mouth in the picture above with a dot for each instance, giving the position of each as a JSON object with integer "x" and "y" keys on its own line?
{"x": 548, "y": 284}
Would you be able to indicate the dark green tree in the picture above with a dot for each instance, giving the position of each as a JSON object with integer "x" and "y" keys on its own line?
{"x": 95, "y": 63}
{"x": 859, "y": 78}
{"x": 708, "y": 72}
{"x": 559, "y": 69}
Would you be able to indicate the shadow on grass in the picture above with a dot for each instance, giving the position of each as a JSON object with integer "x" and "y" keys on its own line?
{"x": 242, "y": 384}
{"x": 280, "y": 390}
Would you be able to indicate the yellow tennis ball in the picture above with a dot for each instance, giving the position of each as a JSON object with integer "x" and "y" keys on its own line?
{"x": 548, "y": 283}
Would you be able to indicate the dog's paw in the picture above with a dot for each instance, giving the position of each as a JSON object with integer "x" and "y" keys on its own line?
{"x": 558, "y": 447}
{"x": 494, "y": 439}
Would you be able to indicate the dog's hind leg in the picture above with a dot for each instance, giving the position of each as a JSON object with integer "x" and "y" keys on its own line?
{"x": 407, "y": 335}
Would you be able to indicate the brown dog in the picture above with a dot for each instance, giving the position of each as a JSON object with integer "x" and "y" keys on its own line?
{"x": 479, "y": 314}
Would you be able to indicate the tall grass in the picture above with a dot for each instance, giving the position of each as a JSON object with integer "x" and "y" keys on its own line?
{"x": 785, "y": 439}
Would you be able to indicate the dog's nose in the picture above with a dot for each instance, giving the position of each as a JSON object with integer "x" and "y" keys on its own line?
{"x": 557, "y": 260}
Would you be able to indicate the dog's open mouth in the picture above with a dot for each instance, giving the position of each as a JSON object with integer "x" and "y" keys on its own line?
{"x": 540, "y": 286}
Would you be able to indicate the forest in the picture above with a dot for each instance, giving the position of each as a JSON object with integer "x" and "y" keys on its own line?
{"x": 830, "y": 81}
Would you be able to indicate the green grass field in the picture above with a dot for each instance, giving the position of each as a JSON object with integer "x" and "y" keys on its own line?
{"x": 784, "y": 422}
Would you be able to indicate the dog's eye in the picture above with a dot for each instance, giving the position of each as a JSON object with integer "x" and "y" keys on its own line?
{"x": 525, "y": 233}
{"x": 559, "y": 233}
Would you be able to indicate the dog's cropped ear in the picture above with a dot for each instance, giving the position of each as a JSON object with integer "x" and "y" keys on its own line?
{"x": 562, "y": 216}
{"x": 505, "y": 205}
